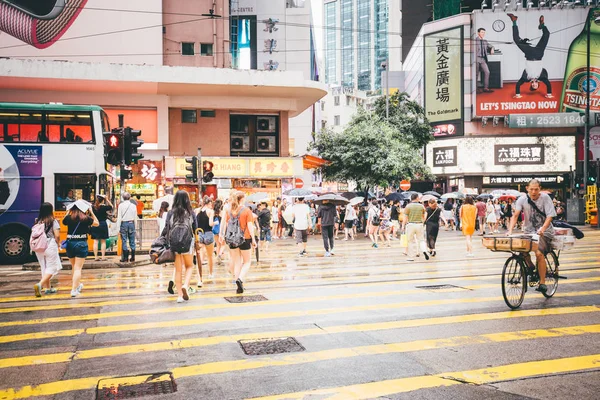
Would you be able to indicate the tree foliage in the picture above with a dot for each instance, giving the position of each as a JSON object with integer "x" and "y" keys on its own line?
{"x": 407, "y": 118}
{"x": 369, "y": 152}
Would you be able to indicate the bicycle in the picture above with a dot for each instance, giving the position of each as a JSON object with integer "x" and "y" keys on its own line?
{"x": 517, "y": 274}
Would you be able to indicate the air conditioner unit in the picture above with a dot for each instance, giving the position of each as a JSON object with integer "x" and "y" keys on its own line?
{"x": 266, "y": 144}
{"x": 265, "y": 124}
{"x": 240, "y": 143}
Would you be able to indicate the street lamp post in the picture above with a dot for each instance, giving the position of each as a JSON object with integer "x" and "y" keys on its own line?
{"x": 586, "y": 137}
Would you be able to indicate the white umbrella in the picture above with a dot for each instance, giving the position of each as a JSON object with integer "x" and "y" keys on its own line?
{"x": 428, "y": 197}
{"x": 256, "y": 197}
{"x": 357, "y": 200}
{"x": 452, "y": 195}
{"x": 298, "y": 193}
{"x": 82, "y": 205}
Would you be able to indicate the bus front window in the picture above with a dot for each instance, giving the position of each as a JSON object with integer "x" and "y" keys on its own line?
{"x": 69, "y": 188}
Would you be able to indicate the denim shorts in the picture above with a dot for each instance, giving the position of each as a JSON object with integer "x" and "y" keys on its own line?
{"x": 77, "y": 249}
{"x": 265, "y": 234}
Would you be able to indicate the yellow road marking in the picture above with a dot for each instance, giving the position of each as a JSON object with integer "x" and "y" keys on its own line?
{"x": 477, "y": 376}
{"x": 210, "y": 341}
{"x": 206, "y": 320}
{"x": 169, "y": 310}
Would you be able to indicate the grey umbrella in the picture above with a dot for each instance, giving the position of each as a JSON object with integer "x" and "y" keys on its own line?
{"x": 298, "y": 193}
{"x": 332, "y": 198}
{"x": 432, "y": 193}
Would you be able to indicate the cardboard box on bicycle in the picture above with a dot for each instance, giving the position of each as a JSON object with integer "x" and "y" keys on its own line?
{"x": 508, "y": 243}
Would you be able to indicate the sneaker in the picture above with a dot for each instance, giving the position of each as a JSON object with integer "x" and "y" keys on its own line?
{"x": 426, "y": 255}
{"x": 51, "y": 291}
{"x": 470, "y": 255}
{"x": 240, "y": 286}
{"x": 191, "y": 290}
{"x": 433, "y": 253}
{"x": 332, "y": 253}
{"x": 542, "y": 288}
{"x": 170, "y": 288}
{"x": 199, "y": 285}
{"x": 37, "y": 288}
{"x": 80, "y": 287}
{"x": 185, "y": 294}
{"x": 512, "y": 17}
{"x": 375, "y": 245}
{"x": 74, "y": 293}
{"x": 327, "y": 254}
{"x": 211, "y": 276}
{"x": 410, "y": 259}
{"x": 180, "y": 299}
{"x": 301, "y": 254}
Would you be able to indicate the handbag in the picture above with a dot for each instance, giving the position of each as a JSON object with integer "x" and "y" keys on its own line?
{"x": 403, "y": 240}
{"x": 65, "y": 243}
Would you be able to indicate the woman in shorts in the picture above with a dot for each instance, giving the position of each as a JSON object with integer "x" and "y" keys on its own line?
{"x": 102, "y": 207}
{"x": 205, "y": 221}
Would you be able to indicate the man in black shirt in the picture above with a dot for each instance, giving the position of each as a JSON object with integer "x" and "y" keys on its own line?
{"x": 264, "y": 222}
{"x": 326, "y": 216}
{"x": 395, "y": 218}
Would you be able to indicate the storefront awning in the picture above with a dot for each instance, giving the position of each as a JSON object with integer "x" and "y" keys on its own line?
{"x": 311, "y": 162}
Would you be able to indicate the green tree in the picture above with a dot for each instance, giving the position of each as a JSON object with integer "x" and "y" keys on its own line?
{"x": 407, "y": 118}
{"x": 369, "y": 153}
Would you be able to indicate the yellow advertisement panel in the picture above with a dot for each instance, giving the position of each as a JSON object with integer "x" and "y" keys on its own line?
{"x": 272, "y": 167}
{"x": 246, "y": 167}
{"x": 228, "y": 167}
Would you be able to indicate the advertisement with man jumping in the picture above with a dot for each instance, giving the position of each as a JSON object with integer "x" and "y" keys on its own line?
{"x": 534, "y": 61}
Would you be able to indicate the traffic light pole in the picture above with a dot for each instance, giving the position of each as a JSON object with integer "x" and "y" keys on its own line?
{"x": 200, "y": 177}
{"x": 586, "y": 137}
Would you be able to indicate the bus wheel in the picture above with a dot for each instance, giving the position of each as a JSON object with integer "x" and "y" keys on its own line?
{"x": 14, "y": 247}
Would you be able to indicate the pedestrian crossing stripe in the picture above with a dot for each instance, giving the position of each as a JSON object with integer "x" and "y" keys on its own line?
{"x": 475, "y": 377}
{"x": 215, "y": 340}
{"x": 371, "y": 390}
{"x": 187, "y": 308}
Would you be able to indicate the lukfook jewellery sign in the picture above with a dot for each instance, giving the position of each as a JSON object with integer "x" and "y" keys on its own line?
{"x": 518, "y": 154}
{"x": 444, "y": 156}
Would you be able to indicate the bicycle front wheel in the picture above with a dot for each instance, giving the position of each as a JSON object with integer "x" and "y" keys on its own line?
{"x": 514, "y": 282}
{"x": 551, "y": 274}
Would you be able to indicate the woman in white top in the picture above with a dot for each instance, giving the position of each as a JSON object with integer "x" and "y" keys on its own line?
{"x": 491, "y": 216}
{"x": 275, "y": 217}
{"x": 162, "y": 215}
{"x": 49, "y": 259}
{"x": 349, "y": 221}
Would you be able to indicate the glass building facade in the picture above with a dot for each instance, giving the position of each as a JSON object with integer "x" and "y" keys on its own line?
{"x": 330, "y": 12}
{"x": 364, "y": 44}
{"x": 347, "y": 33}
{"x": 381, "y": 38}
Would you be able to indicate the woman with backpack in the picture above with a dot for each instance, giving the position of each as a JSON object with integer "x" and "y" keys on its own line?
{"x": 237, "y": 230}
{"x": 179, "y": 229}
{"x": 45, "y": 237}
{"x": 79, "y": 219}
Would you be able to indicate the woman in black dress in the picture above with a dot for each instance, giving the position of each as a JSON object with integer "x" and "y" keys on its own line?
{"x": 432, "y": 225}
{"x": 102, "y": 207}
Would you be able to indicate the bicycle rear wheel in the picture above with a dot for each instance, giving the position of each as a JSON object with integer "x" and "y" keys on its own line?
{"x": 514, "y": 282}
{"x": 551, "y": 274}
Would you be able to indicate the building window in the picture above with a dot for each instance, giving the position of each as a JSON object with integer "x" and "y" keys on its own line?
{"x": 347, "y": 38}
{"x": 187, "y": 49}
{"x": 206, "y": 49}
{"x": 71, "y": 187}
{"x": 330, "y": 41}
{"x": 207, "y": 113}
{"x": 323, "y": 124}
{"x": 347, "y": 100}
{"x": 336, "y": 100}
{"x": 295, "y": 3}
{"x": 336, "y": 120}
{"x": 189, "y": 116}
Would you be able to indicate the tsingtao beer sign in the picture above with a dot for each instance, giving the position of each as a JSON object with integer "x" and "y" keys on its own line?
{"x": 519, "y": 154}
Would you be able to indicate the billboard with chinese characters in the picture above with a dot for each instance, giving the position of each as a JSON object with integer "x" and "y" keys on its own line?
{"x": 444, "y": 156}
{"x": 519, "y": 154}
{"x": 532, "y": 61}
{"x": 503, "y": 155}
{"x": 443, "y": 81}
{"x": 241, "y": 167}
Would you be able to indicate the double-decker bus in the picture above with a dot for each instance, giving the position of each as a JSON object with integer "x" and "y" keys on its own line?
{"x": 48, "y": 153}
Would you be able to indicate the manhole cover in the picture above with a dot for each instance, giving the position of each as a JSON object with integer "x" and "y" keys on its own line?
{"x": 246, "y": 299}
{"x": 128, "y": 387}
{"x": 439, "y": 287}
{"x": 259, "y": 347}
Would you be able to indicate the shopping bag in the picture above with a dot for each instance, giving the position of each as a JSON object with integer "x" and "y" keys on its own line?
{"x": 403, "y": 240}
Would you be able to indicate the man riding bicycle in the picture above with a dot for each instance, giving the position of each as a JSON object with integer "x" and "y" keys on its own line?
{"x": 538, "y": 211}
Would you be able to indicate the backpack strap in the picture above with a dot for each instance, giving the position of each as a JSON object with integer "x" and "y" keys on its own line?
{"x": 535, "y": 207}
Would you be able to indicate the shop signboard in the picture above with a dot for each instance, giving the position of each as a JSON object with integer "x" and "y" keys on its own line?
{"x": 558, "y": 120}
{"x": 444, "y": 157}
{"x": 519, "y": 154}
{"x": 272, "y": 167}
{"x": 443, "y": 55}
{"x": 242, "y": 167}
{"x": 537, "y": 155}
{"x": 521, "y": 180}
{"x": 534, "y": 61}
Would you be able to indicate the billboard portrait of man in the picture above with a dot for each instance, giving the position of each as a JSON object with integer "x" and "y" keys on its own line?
{"x": 481, "y": 62}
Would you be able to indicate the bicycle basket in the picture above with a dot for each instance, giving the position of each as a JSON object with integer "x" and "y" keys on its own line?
{"x": 519, "y": 244}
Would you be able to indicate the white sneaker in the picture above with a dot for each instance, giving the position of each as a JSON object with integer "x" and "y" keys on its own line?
{"x": 180, "y": 300}
{"x": 80, "y": 287}
{"x": 470, "y": 255}
{"x": 331, "y": 252}
{"x": 199, "y": 284}
{"x": 211, "y": 276}
{"x": 74, "y": 293}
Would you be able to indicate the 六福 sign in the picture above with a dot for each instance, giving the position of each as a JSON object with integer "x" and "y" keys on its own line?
{"x": 519, "y": 154}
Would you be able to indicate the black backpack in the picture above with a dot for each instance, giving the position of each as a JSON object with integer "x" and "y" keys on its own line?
{"x": 376, "y": 221}
{"x": 181, "y": 235}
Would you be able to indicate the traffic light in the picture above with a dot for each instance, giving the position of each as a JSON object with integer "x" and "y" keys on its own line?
{"x": 132, "y": 144}
{"x": 578, "y": 182}
{"x": 113, "y": 146}
{"x": 207, "y": 174}
{"x": 193, "y": 168}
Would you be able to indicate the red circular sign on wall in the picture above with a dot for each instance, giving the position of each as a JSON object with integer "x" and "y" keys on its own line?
{"x": 299, "y": 183}
{"x": 405, "y": 185}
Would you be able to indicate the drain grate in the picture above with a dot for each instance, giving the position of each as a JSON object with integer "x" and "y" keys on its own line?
{"x": 259, "y": 347}
{"x": 129, "y": 387}
{"x": 246, "y": 299}
{"x": 439, "y": 287}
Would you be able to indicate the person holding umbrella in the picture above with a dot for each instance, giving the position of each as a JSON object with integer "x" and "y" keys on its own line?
{"x": 326, "y": 217}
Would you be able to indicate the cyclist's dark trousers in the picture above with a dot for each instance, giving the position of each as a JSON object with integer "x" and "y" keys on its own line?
{"x": 432, "y": 230}
{"x": 327, "y": 232}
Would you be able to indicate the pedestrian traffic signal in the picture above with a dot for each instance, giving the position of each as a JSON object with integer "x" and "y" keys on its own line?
{"x": 207, "y": 174}
{"x": 192, "y": 166}
{"x": 132, "y": 144}
{"x": 113, "y": 146}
